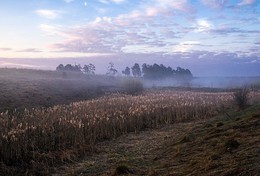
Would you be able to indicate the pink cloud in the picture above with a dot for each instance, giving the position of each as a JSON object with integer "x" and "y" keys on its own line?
{"x": 112, "y": 34}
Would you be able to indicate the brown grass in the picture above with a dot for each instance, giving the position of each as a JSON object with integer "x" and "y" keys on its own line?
{"x": 230, "y": 149}
{"x": 63, "y": 133}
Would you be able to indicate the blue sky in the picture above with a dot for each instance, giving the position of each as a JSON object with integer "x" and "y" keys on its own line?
{"x": 210, "y": 37}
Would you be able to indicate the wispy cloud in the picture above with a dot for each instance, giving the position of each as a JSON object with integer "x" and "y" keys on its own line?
{"x": 247, "y": 2}
{"x": 49, "y": 14}
{"x": 185, "y": 46}
{"x": 127, "y": 32}
{"x": 182, "y": 5}
{"x": 30, "y": 50}
{"x": 5, "y": 49}
{"x": 214, "y": 3}
{"x": 68, "y": 1}
{"x": 114, "y": 1}
{"x": 54, "y": 30}
{"x": 233, "y": 30}
{"x": 203, "y": 25}
{"x": 118, "y": 1}
{"x": 149, "y": 28}
{"x": 18, "y": 65}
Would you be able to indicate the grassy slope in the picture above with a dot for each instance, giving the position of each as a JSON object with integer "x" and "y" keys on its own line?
{"x": 23, "y": 88}
{"x": 220, "y": 146}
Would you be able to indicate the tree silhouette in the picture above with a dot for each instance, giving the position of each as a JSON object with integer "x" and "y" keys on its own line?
{"x": 156, "y": 71}
{"x": 136, "y": 71}
{"x": 111, "y": 71}
{"x": 126, "y": 71}
{"x": 60, "y": 67}
{"x": 89, "y": 69}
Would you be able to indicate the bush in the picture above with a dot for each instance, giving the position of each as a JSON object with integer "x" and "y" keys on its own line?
{"x": 241, "y": 97}
{"x": 132, "y": 86}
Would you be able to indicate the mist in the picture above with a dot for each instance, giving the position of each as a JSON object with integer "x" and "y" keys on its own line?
{"x": 204, "y": 82}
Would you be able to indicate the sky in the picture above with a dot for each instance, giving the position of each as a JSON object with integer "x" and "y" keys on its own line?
{"x": 209, "y": 37}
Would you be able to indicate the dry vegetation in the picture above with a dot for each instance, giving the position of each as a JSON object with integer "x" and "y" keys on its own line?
{"x": 23, "y": 88}
{"x": 44, "y": 137}
{"x": 34, "y": 140}
{"x": 218, "y": 146}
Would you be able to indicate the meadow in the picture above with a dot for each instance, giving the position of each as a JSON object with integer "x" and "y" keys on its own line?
{"x": 24, "y": 88}
{"x": 38, "y": 138}
{"x": 47, "y": 119}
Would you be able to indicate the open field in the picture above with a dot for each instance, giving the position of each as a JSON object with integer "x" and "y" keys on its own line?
{"x": 218, "y": 146}
{"x": 35, "y": 140}
{"x": 67, "y": 116}
{"x": 23, "y": 88}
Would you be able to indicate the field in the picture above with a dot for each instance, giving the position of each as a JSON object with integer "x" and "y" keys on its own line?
{"x": 38, "y": 139}
{"x": 218, "y": 146}
{"x": 23, "y": 88}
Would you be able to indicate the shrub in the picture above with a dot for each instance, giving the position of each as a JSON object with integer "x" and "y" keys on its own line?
{"x": 241, "y": 97}
{"x": 132, "y": 86}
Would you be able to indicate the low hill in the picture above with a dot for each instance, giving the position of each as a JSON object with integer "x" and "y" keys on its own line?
{"x": 224, "y": 146}
{"x": 24, "y": 88}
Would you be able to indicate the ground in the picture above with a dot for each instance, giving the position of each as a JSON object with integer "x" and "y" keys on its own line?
{"x": 24, "y": 88}
{"x": 225, "y": 145}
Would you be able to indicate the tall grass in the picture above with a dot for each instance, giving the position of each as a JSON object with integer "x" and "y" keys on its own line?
{"x": 44, "y": 137}
{"x": 241, "y": 97}
{"x": 132, "y": 86}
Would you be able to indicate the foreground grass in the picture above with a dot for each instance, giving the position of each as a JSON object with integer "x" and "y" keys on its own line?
{"x": 36, "y": 140}
{"x": 221, "y": 146}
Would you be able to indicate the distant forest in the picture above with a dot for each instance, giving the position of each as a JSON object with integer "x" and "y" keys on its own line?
{"x": 146, "y": 71}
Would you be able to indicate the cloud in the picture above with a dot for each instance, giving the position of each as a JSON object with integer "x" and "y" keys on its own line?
{"x": 49, "y": 14}
{"x": 113, "y": 1}
{"x": 54, "y": 30}
{"x": 118, "y": 1}
{"x": 247, "y": 2}
{"x": 203, "y": 25}
{"x": 150, "y": 27}
{"x": 182, "y": 5}
{"x": 185, "y": 46}
{"x": 68, "y": 1}
{"x": 17, "y": 65}
{"x": 104, "y": 1}
{"x": 5, "y": 49}
{"x": 30, "y": 50}
{"x": 214, "y": 3}
{"x": 233, "y": 30}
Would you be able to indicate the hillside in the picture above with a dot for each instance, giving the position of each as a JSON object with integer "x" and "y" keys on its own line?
{"x": 221, "y": 146}
{"x": 24, "y": 88}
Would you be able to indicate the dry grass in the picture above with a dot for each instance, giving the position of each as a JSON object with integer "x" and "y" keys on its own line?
{"x": 46, "y": 137}
{"x": 35, "y": 139}
{"x": 197, "y": 148}
{"x": 23, "y": 88}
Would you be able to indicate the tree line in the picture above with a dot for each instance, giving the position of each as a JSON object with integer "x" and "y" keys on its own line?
{"x": 156, "y": 71}
{"x": 147, "y": 71}
{"x": 87, "y": 69}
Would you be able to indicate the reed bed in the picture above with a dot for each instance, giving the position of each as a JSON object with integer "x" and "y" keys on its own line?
{"x": 40, "y": 137}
